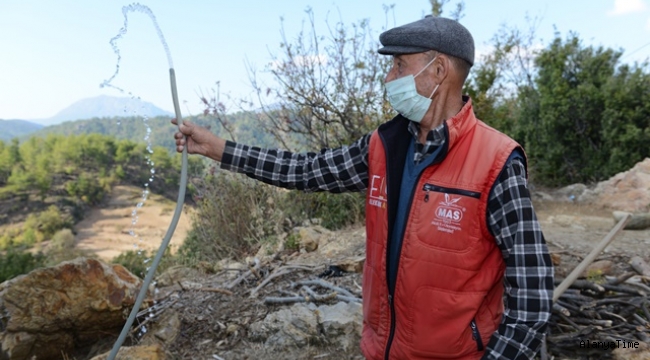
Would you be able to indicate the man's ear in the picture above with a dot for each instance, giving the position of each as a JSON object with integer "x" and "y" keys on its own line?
{"x": 442, "y": 67}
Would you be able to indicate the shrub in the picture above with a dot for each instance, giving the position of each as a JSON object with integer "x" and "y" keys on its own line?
{"x": 334, "y": 210}
{"x": 138, "y": 262}
{"x": 234, "y": 215}
{"x": 15, "y": 262}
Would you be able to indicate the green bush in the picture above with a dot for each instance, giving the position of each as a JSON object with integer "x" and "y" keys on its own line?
{"x": 234, "y": 215}
{"x": 89, "y": 189}
{"x": 138, "y": 262}
{"x": 334, "y": 210}
{"x": 15, "y": 262}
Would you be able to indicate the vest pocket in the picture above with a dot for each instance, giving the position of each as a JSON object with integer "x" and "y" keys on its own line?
{"x": 438, "y": 323}
{"x": 446, "y": 219}
{"x": 476, "y": 335}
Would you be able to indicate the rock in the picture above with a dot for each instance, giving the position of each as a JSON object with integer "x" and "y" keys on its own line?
{"x": 53, "y": 310}
{"x": 342, "y": 323}
{"x": 541, "y": 195}
{"x": 146, "y": 352}
{"x": 637, "y": 221}
{"x": 353, "y": 265}
{"x": 640, "y": 265}
{"x": 571, "y": 193}
{"x": 164, "y": 330}
{"x": 293, "y": 326}
{"x": 638, "y": 351}
{"x": 309, "y": 237}
{"x": 626, "y": 191}
{"x": 598, "y": 268}
{"x": 174, "y": 274}
{"x": 302, "y": 324}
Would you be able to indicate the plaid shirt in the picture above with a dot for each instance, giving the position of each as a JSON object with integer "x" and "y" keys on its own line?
{"x": 529, "y": 272}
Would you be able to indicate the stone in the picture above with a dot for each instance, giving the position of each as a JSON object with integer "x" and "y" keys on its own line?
{"x": 352, "y": 265}
{"x": 599, "y": 268}
{"x": 638, "y": 221}
{"x": 145, "y": 352}
{"x": 570, "y": 193}
{"x": 164, "y": 330}
{"x": 342, "y": 323}
{"x": 295, "y": 326}
{"x": 309, "y": 237}
{"x": 174, "y": 274}
{"x": 640, "y": 265}
{"x": 627, "y": 191}
{"x": 54, "y": 310}
{"x": 305, "y": 324}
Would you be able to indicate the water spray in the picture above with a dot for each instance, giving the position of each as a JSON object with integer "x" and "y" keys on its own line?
{"x": 183, "y": 183}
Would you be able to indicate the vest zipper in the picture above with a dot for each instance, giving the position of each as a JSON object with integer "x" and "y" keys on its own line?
{"x": 391, "y": 292}
{"x": 476, "y": 335}
{"x": 446, "y": 190}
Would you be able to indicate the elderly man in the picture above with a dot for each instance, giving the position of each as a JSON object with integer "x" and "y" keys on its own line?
{"x": 452, "y": 236}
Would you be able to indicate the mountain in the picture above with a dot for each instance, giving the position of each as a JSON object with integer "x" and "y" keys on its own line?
{"x": 10, "y": 129}
{"x": 104, "y": 106}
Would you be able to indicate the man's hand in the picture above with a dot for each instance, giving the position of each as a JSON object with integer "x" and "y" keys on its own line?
{"x": 198, "y": 140}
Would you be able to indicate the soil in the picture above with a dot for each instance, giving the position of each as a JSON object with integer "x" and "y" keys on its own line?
{"x": 105, "y": 230}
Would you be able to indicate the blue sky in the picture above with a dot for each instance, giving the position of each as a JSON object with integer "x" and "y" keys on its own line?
{"x": 57, "y": 52}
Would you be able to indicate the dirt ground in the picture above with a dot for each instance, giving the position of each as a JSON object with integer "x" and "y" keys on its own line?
{"x": 105, "y": 231}
{"x": 572, "y": 230}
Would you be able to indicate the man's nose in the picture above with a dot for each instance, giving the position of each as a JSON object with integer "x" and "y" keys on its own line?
{"x": 390, "y": 76}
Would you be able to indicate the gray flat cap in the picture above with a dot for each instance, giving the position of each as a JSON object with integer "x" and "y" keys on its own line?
{"x": 431, "y": 33}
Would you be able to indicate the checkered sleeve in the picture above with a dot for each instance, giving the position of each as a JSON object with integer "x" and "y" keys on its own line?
{"x": 529, "y": 272}
{"x": 335, "y": 170}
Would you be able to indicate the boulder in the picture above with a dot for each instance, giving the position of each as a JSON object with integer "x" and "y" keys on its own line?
{"x": 164, "y": 330}
{"x": 310, "y": 237}
{"x": 295, "y": 326}
{"x": 303, "y": 324}
{"x": 342, "y": 323}
{"x": 598, "y": 268}
{"x": 627, "y": 191}
{"x": 52, "y": 311}
{"x": 637, "y": 221}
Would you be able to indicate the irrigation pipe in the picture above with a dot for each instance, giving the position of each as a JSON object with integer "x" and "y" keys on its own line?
{"x": 168, "y": 235}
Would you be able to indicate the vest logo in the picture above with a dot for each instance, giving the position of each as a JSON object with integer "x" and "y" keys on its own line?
{"x": 449, "y": 210}
{"x": 448, "y": 215}
{"x": 377, "y": 195}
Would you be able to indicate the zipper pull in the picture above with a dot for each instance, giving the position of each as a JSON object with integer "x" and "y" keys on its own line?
{"x": 390, "y": 300}
{"x": 426, "y": 196}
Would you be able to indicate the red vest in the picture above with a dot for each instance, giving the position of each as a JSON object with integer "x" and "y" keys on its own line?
{"x": 448, "y": 297}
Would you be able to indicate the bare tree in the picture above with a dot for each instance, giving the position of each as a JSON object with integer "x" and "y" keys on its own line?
{"x": 328, "y": 89}
{"x": 437, "y": 7}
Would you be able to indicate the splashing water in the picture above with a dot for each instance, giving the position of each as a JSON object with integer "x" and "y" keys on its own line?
{"x": 126, "y": 10}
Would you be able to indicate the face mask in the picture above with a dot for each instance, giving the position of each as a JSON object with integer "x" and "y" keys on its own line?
{"x": 404, "y": 98}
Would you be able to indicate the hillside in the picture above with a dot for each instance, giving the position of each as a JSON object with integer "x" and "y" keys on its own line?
{"x": 135, "y": 129}
{"x": 10, "y": 129}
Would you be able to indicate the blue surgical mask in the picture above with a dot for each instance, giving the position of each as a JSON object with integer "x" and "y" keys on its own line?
{"x": 404, "y": 98}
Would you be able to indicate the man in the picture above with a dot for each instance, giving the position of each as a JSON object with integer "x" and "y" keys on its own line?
{"x": 450, "y": 224}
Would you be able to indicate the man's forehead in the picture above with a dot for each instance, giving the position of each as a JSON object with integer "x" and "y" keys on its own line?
{"x": 406, "y": 57}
